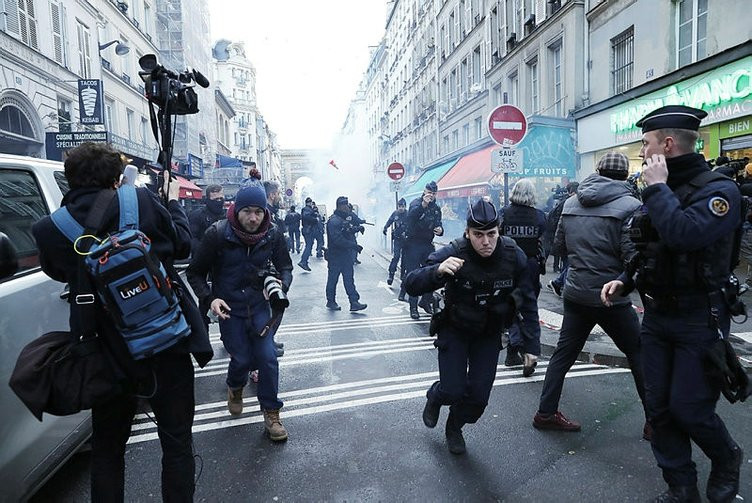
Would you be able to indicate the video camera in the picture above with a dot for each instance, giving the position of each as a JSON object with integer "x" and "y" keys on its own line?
{"x": 171, "y": 92}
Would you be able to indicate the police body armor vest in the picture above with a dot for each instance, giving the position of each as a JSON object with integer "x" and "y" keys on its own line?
{"x": 477, "y": 297}
{"x": 666, "y": 272}
{"x": 520, "y": 224}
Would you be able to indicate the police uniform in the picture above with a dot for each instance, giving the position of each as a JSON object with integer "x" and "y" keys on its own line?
{"x": 399, "y": 233}
{"x": 340, "y": 230}
{"x": 480, "y": 302}
{"x": 685, "y": 235}
{"x": 419, "y": 243}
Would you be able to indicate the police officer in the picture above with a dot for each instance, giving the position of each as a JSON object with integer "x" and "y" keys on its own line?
{"x": 525, "y": 224}
{"x": 423, "y": 223}
{"x": 341, "y": 231}
{"x": 292, "y": 223}
{"x": 486, "y": 280}
{"x": 397, "y": 218}
{"x": 310, "y": 224}
{"x": 319, "y": 231}
{"x": 685, "y": 237}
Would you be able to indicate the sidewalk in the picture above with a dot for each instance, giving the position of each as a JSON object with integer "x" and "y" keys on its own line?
{"x": 599, "y": 348}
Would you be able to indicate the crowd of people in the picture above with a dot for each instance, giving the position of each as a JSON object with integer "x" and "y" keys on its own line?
{"x": 675, "y": 245}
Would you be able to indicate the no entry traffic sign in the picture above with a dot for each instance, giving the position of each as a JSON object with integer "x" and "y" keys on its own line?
{"x": 395, "y": 171}
{"x": 507, "y": 125}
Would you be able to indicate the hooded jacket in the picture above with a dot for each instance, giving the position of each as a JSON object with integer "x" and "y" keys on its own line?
{"x": 591, "y": 234}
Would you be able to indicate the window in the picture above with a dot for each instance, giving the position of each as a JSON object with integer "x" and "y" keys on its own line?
{"x": 27, "y": 21}
{"x": 64, "y": 115}
{"x": 147, "y": 20}
{"x": 691, "y": 25}
{"x": 144, "y": 130}
{"x": 445, "y": 144}
{"x": 532, "y": 68}
{"x": 22, "y": 206}
{"x": 514, "y": 89}
{"x": 497, "y": 96}
{"x": 463, "y": 81}
{"x": 478, "y": 128}
{"x": 476, "y": 75}
{"x": 556, "y": 78}
{"x": 109, "y": 114}
{"x": 466, "y": 134}
{"x": 129, "y": 117}
{"x": 455, "y": 139}
{"x": 84, "y": 49}
{"x": 125, "y": 61}
{"x": 622, "y": 61}
{"x": 57, "y": 16}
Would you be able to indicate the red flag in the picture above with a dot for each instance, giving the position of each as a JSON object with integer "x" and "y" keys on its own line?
{"x": 333, "y": 165}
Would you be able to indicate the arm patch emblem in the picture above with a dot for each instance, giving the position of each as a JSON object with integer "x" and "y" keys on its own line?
{"x": 718, "y": 206}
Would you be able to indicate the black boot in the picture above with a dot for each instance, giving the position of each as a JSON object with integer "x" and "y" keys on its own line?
{"x": 679, "y": 494}
{"x": 455, "y": 440}
{"x": 402, "y": 293}
{"x": 723, "y": 483}
{"x": 431, "y": 413}
{"x": 513, "y": 356}
{"x": 414, "y": 314}
{"x": 425, "y": 303}
{"x": 390, "y": 279}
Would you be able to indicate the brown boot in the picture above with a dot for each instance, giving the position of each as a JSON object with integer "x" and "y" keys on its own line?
{"x": 273, "y": 426}
{"x": 235, "y": 401}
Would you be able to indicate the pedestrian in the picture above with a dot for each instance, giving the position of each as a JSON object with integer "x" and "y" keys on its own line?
{"x": 590, "y": 234}
{"x": 685, "y": 236}
{"x": 423, "y": 223}
{"x": 292, "y": 223}
{"x": 525, "y": 224}
{"x": 90, "y": 169}
{"x": 341, "y": 230}
{"x": 200, "y": 220}
{"x": 319, "y": 231}
{"x": 560, "y": 262}
{"x": 486, "y": 282}
{"x": 399, "y": 232}
{"x": 242, "y": 253}
{"x": 310, "y": 223}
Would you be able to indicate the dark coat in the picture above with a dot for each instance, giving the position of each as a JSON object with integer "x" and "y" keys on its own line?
{"x": 199, "y": 221}
{"x": 422, "y": 221}
{"x": 340, "y": 231}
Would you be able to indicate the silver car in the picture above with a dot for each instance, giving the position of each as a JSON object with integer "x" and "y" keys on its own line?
{"x": 30, "y": 305}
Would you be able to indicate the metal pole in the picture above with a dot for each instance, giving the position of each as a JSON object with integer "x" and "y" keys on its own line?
{"x": 506, "y": 189}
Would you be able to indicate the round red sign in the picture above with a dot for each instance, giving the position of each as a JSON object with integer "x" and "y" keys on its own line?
{"x": 395, "y": 171}
{"x": 507, "y": 125}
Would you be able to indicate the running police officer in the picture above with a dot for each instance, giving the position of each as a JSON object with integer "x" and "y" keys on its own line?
{"x": 423, "y": 223}
{"x": 340, "y": 230}
{"x": 399, "y": 230}
{"x": 486, "y": 281}
{"x": 684, "y": 236}
{"x": 525, "y": 224}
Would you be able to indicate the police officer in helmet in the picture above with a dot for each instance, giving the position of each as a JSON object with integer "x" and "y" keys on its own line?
{"x": 486, "y": 284}
{"x": 684, "y": 236}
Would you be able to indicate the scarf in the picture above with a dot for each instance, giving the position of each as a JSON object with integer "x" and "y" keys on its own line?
{"x": 682, "y": 169}
{"x": 247, "y": 238}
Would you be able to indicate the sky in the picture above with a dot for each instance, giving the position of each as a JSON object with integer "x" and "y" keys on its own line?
{"x": 309, "y": 56}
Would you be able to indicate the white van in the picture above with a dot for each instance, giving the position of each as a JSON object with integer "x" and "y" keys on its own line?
{"x": 30, "y": 305}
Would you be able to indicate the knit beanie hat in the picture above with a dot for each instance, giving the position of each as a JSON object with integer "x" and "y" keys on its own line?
{"x": 251, "y": 195}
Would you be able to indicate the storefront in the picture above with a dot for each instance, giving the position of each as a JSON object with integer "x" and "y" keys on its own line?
{"x": 722, "y": 88}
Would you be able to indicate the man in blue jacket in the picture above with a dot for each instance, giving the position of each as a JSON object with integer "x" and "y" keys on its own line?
{"x": 399, "y": 233}
{"x": 343, "y": 247}
{"x": 241, "y": 253}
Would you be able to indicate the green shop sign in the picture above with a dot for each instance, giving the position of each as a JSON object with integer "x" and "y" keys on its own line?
{"x": 724, "y": 93}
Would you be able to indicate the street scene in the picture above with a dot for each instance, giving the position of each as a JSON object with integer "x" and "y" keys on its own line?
{"x": 384, "y": 250}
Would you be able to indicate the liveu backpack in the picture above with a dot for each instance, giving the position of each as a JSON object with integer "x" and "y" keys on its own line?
{"x": 130, "y": 281}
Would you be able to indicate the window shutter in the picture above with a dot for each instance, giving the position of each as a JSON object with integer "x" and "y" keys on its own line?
{"x": 11, "y": 17}
{"x": 457, "y": 35}
{"x": 540, "y": 11}
{"x": 57, "y": 31}
{"x": 31, "y": 19}
{"x": 468, "y": 16}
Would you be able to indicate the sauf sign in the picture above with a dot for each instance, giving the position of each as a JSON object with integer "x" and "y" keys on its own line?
{"x": 90, "y": 101}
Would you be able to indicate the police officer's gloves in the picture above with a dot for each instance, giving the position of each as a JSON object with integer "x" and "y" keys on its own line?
{"x": 385, "y": 232}
{"x": 362, "y": 229}
{"x": 359, "y": 248}
{"x": 722, "y": 367}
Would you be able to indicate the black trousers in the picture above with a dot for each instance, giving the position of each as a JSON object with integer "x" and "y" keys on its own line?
{"x": 294, "y": 240}
{"x": 398, "y": 244}
{"x": 341, "y": 264}
{"x": 467, "y": 370}
{"x": 414, "y": 256}
{"x": 173, "y": 406}
{"x": 619, "y": 322}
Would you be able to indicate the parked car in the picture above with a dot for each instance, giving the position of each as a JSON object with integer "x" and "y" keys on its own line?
{"x": 30, "y": 305}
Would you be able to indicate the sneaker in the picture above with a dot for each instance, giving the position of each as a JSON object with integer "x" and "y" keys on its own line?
{"x": 426, "y": 305}
{"x": 357, "y": 306}
{"x": 529, "y": 365}
{"x": 303, "y": 266}
{"x": 333, "y": 306}
{"x": 254, "y": 376}
{"x": 235, "y": 401}
{"x": 513, "y": 358}
{"x": 555, "y": 288}
{"x": 555, "y": 421}
{"x": 679, "y": 494}
{"x": 723, "y": 483}
{"x": 431, "y": 413}
{"x": 273, "y": 426}
{"x": 455, "y": 440}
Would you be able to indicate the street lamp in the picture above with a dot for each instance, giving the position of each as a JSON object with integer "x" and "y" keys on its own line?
{"x": 120, "y": 49}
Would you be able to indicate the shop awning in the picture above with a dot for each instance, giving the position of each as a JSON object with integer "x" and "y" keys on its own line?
{"x": 225, "y": 161}
{"x": 188, "y": 189}
{"x": 469, "y": 177}
{"x": 433, "y": 174}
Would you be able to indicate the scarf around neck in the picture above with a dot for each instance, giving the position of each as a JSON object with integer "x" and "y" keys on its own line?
{"x": 247, "y": 238}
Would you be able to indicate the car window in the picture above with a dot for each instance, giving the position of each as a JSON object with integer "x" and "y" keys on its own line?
{"x": 21, "y": 204}
{"x": 62, "y": 182}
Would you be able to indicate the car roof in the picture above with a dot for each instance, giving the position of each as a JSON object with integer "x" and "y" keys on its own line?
{"x": 8, "y": 160}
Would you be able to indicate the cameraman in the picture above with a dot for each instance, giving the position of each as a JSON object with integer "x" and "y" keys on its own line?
{"x": 89, "y": 169}
{"x": 341, "y": 231}
{"x": 236, "y": 252}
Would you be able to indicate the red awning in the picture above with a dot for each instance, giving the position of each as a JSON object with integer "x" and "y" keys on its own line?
{"x": 188, "y": 189}
{"x": 469, "y": 177}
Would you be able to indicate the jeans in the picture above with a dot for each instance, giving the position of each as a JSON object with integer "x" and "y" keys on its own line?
{"x": 341, "y": 265}
{"x": 467, "y": 370}
{"x": 249, "y": 351}
{"x": 308, "y": 247}
{"x": 619, "y": 322}
{"x": 681, "y": 401}
{"x": 562, "y": 277}
{"x": 173, "y": 404}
